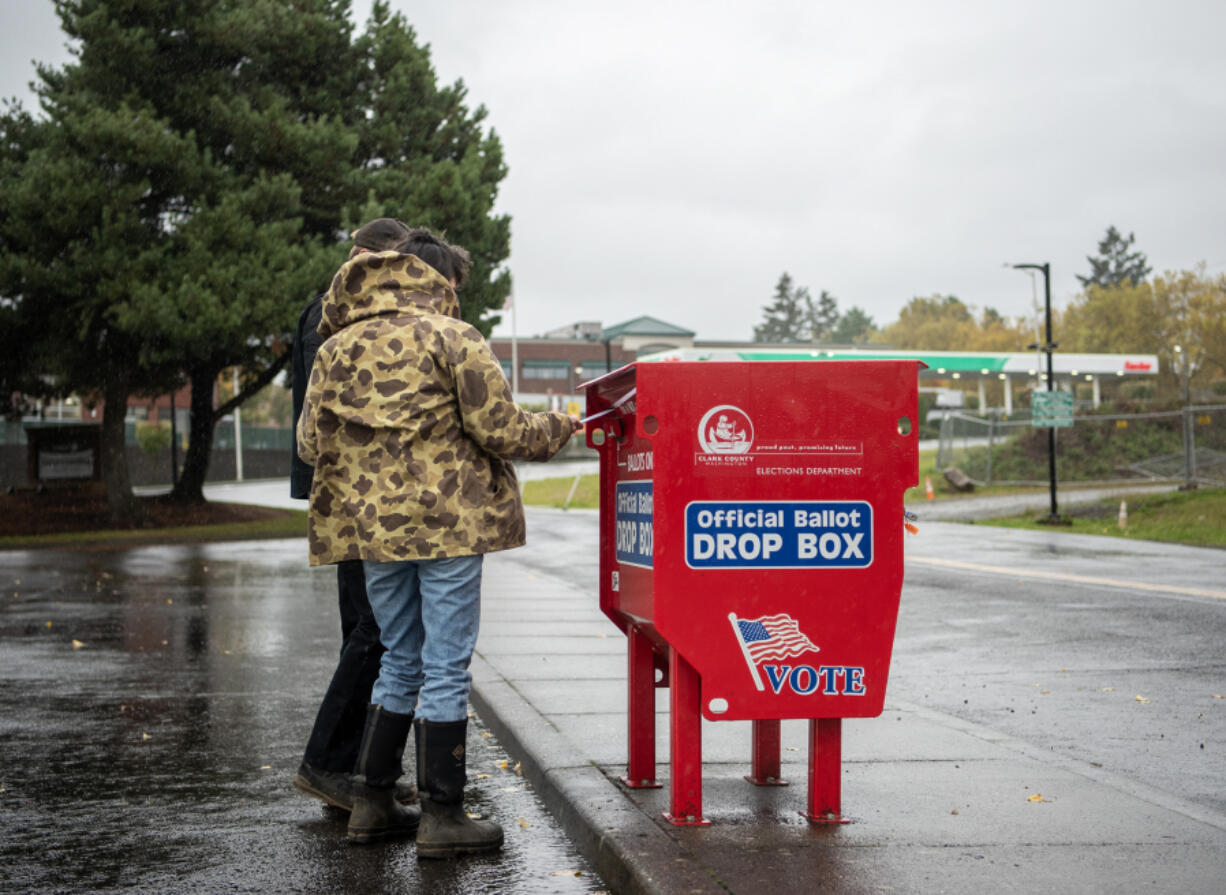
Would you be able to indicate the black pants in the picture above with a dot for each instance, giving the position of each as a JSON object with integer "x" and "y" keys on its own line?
{"x": 337, "y": 734}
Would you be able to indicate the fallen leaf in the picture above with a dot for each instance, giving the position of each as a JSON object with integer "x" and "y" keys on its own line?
{"x": 481, "y": 776}
{"x": 567, "y": 873}
{"x": 503, "y": 764}
{"x": 955, "y": 811}
{"x": 486, "y": 734}
{"x": 145, "y": 736}
{"x": 1106, "y": 689}
{"x": 523, "y": 823}
{"x": 519, "y": 768}
{"x": 1044, "y": 692}
{"x": 169, "y": 601}
{"x": 48, "y": 624}
{"x": 510, "y": 789}
{"x": 1219, "y": 695}
{"x": 1036, "y": 798}
{"x": 265, "y": 767}
{"x": 1141, "y": 698}
{"x": 76, "y": 644}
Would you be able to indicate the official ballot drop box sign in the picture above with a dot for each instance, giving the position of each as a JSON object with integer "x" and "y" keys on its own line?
{"x": 752, "y": 526}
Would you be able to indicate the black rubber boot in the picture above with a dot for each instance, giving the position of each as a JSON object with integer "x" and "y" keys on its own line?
{"x": 446, "y": 830}
{"x": 336, "y": 789}
{"x": 376, "y": 813}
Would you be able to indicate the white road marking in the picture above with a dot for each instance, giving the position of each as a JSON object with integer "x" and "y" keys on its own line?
{"x": 1071, "y": 579}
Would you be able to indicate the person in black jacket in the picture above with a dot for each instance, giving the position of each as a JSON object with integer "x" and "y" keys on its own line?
{"x": 332, "y": 750}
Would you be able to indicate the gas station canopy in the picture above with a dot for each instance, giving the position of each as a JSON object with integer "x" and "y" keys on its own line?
{"x": 941, "y": 364}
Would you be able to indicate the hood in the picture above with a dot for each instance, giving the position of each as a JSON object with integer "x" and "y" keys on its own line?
{"x": 374, "y": 284}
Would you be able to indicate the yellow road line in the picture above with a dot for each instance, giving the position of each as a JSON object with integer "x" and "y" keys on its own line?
{"x": 1072, "y": 579}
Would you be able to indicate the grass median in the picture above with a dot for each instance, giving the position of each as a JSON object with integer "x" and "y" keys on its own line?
{"x": 1196, "y": 518}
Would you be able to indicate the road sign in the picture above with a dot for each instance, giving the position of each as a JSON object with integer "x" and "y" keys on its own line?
{"x": 1051, "y": 409}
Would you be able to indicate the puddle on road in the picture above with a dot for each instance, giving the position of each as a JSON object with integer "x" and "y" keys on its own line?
{"x": 149, "y": 734}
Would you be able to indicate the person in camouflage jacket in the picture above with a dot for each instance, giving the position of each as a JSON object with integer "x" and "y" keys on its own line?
{"x": 410, "y": 423}
{"x": 412, "y": 427}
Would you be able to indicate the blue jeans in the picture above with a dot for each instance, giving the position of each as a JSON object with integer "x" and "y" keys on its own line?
{"x": 428, "y": 612}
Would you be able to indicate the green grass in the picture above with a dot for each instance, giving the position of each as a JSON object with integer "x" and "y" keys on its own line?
{"x": 553, "y": 492}
{"x": 293, "y": 525}
{"x": 942, "y": 490}
{"x": 1196, "y": 518}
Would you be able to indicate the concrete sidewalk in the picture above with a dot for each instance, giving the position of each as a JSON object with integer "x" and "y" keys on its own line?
{"x": 937, "y": 803}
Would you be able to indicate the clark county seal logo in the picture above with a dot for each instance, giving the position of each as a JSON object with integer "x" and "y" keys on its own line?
{"x": 725, "y": 430}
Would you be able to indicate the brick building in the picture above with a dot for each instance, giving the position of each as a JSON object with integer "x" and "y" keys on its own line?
{"x": 551, "y": 366}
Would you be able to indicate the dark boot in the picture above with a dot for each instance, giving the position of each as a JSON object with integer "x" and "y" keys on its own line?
{"x": 446, "y": 830}
{"x": 336, "y": 789}
{"x": 376, "y": 813}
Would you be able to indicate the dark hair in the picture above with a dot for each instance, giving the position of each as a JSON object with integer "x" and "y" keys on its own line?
{"x": 380, "y": 235}
{"x": 452, "y": 261}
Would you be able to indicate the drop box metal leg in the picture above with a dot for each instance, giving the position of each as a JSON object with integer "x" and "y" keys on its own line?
{"x": 685, "y": 746}
{"x": 641, "y": 713}
{"x": 766, "y": 751}
{"x": 825, "y": 771}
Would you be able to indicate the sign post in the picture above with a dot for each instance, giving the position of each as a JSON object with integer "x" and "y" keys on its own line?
{"x": 1051, "y": 409}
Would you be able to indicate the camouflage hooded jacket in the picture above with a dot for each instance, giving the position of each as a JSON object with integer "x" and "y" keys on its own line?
{"x": 410, "y": 423}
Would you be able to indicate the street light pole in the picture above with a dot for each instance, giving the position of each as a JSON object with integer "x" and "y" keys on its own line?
{"x": 1048, "y": 348}
{"x": 1189, "y": 430}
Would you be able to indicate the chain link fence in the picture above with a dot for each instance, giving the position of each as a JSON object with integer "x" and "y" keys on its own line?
{"x": 1186, "y": 445}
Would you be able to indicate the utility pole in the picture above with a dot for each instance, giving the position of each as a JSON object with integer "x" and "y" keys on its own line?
{"x": 238, "y": 433}
{"x": 1048, "y": 347}
{"x": 1184, "y": 360}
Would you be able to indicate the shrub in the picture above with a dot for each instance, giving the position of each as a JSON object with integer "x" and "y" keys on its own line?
{"x": 153, "y": 438}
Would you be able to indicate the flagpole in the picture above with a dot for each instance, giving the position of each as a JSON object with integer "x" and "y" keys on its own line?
{"x": 753, "y": 669}
{"x": 514, "y": 352}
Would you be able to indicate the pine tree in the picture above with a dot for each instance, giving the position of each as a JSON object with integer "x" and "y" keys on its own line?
{"x": 854, "y": 327}
{"x": 821, "y": 318}
{"x": 192, "y": 182}
{"x": 1115, "y": 265}
{"x": 785, "y": 315}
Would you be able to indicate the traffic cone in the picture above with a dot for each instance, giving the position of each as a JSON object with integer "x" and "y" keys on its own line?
{"x": 1123, "y": 514}
{"x": 928, "y": 488}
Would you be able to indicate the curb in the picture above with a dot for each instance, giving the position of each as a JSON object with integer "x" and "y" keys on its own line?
{"x": 593, "y": 810}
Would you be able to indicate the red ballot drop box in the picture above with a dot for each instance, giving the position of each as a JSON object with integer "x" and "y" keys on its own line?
{"x": 751, "y": 549}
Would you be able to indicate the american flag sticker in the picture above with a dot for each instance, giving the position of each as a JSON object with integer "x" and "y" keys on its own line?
{"x": 770, "y": 638}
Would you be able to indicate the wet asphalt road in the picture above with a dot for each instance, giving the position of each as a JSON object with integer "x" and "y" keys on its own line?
{"x": 1129, "y": 679}
{"x": 153, "y": 707}
{"x": 1125, "y": 679}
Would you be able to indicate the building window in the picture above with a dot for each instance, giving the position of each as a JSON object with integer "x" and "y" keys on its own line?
{"x": 593, "y": 368}
{"x": 506, "y": 368}
{"x": 547, "y": 369}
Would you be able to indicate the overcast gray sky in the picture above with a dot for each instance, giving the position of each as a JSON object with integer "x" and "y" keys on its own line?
{"x": 673, "y": 158}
